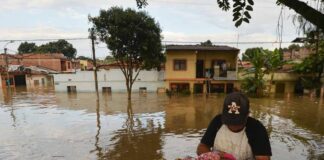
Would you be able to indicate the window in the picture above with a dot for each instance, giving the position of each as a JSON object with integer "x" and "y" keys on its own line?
{"x": 179, "y": 65}
{"x": 71, "y": 89}
{"x": 106, "y": 89}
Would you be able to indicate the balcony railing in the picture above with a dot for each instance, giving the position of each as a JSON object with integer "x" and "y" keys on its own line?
{"x": 229, "y": 75}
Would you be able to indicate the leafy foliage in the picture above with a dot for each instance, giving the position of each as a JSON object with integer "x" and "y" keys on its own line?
{"x": 242, "y": 8}
{"x": 85, "y": 58}
{"x": 255, "y": 84}
{"x": 141, "y": 3}
{"x": 206, "y": 43}
{"x": 224, "y": 5}
{"x": 60, "y": 46}
{"x": 311, "y": 69}
{"x": 263, "y": 62}
{"x": 26, "y": 47}
{"x": 134, "y": 39}
{"x": 292, "y": 47}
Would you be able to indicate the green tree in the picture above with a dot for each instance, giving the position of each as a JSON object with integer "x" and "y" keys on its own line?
{"x": 242, "y": 8}
{"x": 60, "y": 46}
{"x": 109, "y": 59}
{"x": 263, "y": 62}
{"x": 206, "y": 43}
{"x": 249, "y": 53}
{"x": 134, "y": 39}
{"x": 273, "y": 63}
{"x": 84, "y": 58}
{"x": 311, "y": 69}
{"x": 26, "y": 47}
{"x": 292, "y": 47}
{"x": 255, "y": 84}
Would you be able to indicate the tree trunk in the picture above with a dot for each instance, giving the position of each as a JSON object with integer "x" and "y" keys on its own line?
{"x": 309, "y": 13}
{"x": 129, "y": 89}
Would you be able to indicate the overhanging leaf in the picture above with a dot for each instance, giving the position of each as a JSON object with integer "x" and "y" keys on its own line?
{"x": 238, "y": 23}
{"x": 251, "y": 2}
{"x": 246, "y": 20}
{"x": 249, "y": 8}
{"x": 236, "y": 18}
{"x": 247, "y": 15}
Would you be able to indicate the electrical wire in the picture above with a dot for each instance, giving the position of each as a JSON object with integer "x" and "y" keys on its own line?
{"x": 166, "y": 42}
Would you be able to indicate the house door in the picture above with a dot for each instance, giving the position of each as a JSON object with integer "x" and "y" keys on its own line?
{"x": 280, "y": 88}
{"x": 20, "y": 80}
{"x": 200, "y": 69}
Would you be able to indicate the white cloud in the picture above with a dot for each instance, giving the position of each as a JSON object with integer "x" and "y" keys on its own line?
{"x": 56, "y": 4}
{"x": 72, "y": 13}
{"x": 39, "y": 32}
{"x": 181, "y": 20}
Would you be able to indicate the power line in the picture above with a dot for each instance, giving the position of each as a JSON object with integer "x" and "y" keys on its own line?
{"x": 230, "y": 42}
{"x": 169, "y": 42}
{"x": 54, "y": 39}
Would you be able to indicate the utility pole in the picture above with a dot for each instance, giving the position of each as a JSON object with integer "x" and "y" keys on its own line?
{"x": 92, "y": 37}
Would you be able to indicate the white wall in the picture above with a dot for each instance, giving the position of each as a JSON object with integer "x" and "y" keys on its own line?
{"x": 114, "y": 78}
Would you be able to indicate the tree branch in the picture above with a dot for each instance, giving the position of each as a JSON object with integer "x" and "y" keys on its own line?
{"x": 309, "y": 13}
{"x": 133, "y": 80}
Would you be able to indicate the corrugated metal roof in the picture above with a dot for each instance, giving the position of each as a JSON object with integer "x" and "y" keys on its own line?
{"x": 201, "y": 48}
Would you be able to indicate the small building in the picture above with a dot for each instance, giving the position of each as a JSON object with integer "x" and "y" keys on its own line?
{"x": 53, "y": 61}
{"x": 29, "y": 77}
{"x": 297, "y": 54}
{"x": 201, "y": 69}
{"x": 110, "y": 79}
{"x": 86, "y": 65}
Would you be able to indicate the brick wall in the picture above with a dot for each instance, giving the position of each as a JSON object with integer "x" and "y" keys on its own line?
{"x": 54, "y": 64}
{"x": 54, "y": 61}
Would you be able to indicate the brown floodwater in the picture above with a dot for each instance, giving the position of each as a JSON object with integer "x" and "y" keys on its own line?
{"x": 42, "y": 124}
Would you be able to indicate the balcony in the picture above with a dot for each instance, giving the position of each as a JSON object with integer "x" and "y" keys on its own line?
{"x": 227, "y": 75}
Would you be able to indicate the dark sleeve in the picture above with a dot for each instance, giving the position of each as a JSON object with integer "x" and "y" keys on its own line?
{"x": 258, "y": 138}
{"x": 210, "y": 134}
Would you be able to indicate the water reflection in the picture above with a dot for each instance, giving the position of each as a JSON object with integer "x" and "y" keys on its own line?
{"x": 139, "y": 139}
{"x": 98, "y": 149}
{"x": 151, "y": 126}
{"x": 7, "y": 97}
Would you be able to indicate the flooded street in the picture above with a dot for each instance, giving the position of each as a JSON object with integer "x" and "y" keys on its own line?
{"x": 42, "y": 124}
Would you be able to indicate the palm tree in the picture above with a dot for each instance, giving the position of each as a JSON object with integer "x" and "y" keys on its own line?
{"x": 273, "y": 63}
{"x": 254, "y": 84}
{"x": 263, "y": 62}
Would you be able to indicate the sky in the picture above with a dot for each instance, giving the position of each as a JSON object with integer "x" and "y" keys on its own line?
{"x": 180, "y": 20}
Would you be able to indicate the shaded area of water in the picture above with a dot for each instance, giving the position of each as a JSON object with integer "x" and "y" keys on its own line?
{"x": 42, "y": 124}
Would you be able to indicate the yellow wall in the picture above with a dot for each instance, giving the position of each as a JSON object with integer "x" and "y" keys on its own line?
{"x": 288, "y": 79}
{"x": 189, "y": 75}
{"x": 190, "y": 56}
{"x": 83, "y": 64}
{"x": 278, "y": 76}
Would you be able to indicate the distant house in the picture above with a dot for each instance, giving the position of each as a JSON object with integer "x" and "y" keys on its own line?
{"x": 201, "y": 69}
{"x": 297, "y": 55}
{"x": 53, "y": 61}
{"x": 26, "y": 76}
{"x": 32, "y": 69}
{"x": 86, "y": 65}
